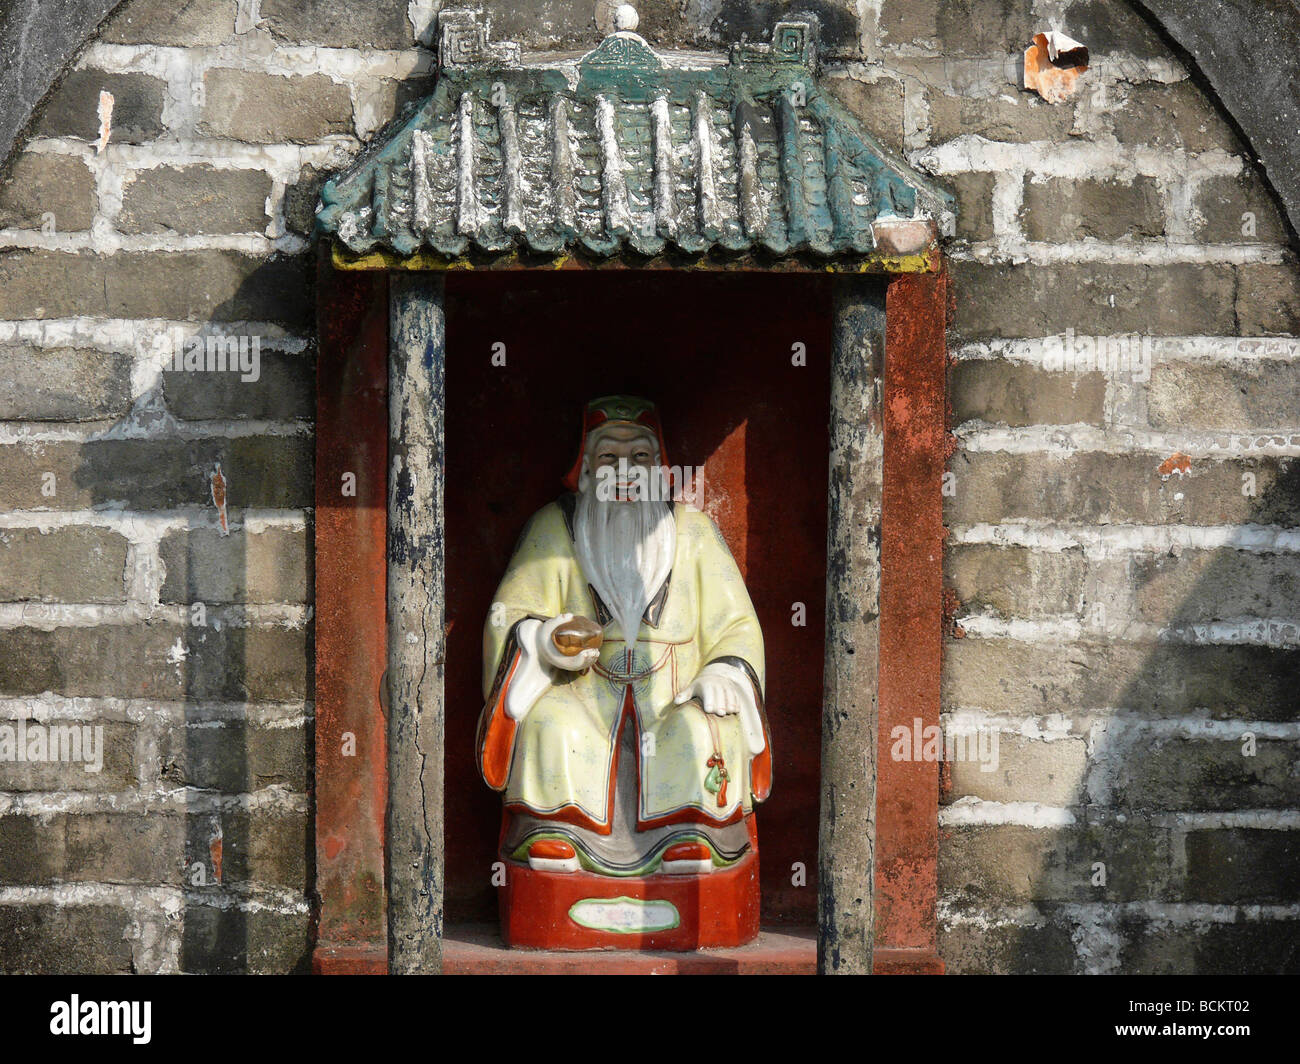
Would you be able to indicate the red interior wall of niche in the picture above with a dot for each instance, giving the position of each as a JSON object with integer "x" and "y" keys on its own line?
{"x": 714, "y": 351}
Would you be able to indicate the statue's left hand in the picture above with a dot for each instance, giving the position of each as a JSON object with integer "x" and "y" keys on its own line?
{"x": 716, "y": 694}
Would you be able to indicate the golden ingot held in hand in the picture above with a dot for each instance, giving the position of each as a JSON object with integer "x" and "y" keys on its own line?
{"x": 577, "y": 635}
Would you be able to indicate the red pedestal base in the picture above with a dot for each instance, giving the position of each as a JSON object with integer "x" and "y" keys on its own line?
{"x": 578, "y": 910}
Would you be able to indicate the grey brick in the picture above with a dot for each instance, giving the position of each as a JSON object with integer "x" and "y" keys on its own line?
{"x": 270, "y": 848}
{"x": 72, "y": 110}
{"x": 1178, "y": 773}
{"x": 271, "y": 109}
{"x": 31, "y": 852}
{"x": 63, "y": 384}
{"x": 284, "y": 390}
{"x": 118, "y": 771}
{"x": 1016, "y": 582}
{"x": 1027, "y": 770}
{"x": 180, "y": 23}
{"x": 76, "y": 564}
{"x": 1257, "y": 395}
{"x": 1237, "y": 865}
{"x": 968, "y": 27}
{"x": 1168, "y": 679}
{"x": 1243, "y": 947}
{"x": 1008, "y": 863}
{"x": 195, "y": 199}
{"x": 141, "y": 661}
{"x": 1172, "y": 117}
{"x": 204, "y": 566}
{"x": 878, "y": 105}
{"x": 124, "y": 847}
{"x": 236, "y": 756}
{"x": 273, "y": 472}
{"x": 1268, "y": 300}
{"x": 301, "y": 197}
{"x": 40, "y": 184}
{"x": 1095, "y": 299}
{"x": 194, "y": 285}
{"x": 974, "y": 192}
{"x": 51, "y": 939}
{"x": 1198, "y": 587}
{"x": 1058, "y": 210}
{"x": 230, "y": 941}
{"x": 1021, "y": 119}
{"x": 1222, "y": 203}
{"x": 1008, "y": 949}
{"x": 1008, "y": 393}
{"x": 1112, "y": 27}
{"x": 1097, "y": 487}
{"x": 339, "y": 23}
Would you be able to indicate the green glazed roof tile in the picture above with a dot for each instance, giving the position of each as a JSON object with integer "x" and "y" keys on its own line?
{"x": 625, "y": 151}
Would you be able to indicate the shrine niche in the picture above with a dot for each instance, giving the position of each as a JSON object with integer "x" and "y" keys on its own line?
{"x": 581, "y": 213}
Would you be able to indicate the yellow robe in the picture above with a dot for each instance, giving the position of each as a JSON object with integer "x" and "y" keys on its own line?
{"x": 560, "y": 756}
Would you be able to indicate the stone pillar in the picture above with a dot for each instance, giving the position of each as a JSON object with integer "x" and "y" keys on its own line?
{"x": 846, "y": 856}
{"x": 416, "y": 633}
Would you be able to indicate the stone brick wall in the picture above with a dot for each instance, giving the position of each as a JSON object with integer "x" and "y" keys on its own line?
{"x": 1127, "y": 617}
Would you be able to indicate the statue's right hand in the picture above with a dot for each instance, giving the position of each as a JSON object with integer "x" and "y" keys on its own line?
{"x": 554, "y": 656}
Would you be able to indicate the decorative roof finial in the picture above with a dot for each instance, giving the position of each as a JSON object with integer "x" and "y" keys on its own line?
{"x": 626, "y": 19}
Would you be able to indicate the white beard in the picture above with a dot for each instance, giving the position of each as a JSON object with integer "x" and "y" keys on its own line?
{"x": 626, "y": 550}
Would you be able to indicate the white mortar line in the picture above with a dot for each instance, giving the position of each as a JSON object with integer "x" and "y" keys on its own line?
{"x": 1213, "y": 349}
{"x": 141, "y": 526}
{"x": 1064, "y": 440}
{"x": 189, "y": 800}
{"x": 1105, "y": 541}
{"x": 164, "y": 428}
{"x": 1077, "y": 160}
{"x": 950, "y": 912}
{"x": 49, "y": 706}
{"x": 96, "y": 241}
{"x": 1057, "y": 727}
{"x": 339, "y": 64}
{"x": 1060, "y": 630}
{"x": 47, "y": 617}
{"x": 165, "y": 901}
{"x": 977, "y": 812}
{"x": 1006, "y": 250}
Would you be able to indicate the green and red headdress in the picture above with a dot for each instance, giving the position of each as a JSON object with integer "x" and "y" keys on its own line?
{"x": 614, "y": 410}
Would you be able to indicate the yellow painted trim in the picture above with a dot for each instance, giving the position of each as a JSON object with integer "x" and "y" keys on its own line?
{"x": 921, "y": 262}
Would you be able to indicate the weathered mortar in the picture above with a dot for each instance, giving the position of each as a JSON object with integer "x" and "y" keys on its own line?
{"x": 1124, "y": 628}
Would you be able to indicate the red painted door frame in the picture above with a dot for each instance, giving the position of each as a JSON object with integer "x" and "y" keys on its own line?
{"x": 911, "y": 619}
{"x": 350, "y": 645}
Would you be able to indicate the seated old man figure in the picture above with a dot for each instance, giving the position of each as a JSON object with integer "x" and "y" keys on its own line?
{"x": 623, "y": 673}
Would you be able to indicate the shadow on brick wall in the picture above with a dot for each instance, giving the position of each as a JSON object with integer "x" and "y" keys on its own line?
{"x": 230, "y": 641}
{"x": 1181, "y": 856}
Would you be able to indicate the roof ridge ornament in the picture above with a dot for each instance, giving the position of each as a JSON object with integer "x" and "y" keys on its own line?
{"x": 464, "y": 41}
{"x": 794, "y": 40}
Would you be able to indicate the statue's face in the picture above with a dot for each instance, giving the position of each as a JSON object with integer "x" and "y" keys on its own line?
{"x": 623, "y": 447}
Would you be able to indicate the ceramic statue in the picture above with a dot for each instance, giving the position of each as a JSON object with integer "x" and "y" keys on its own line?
{"x": 624, "y": 721}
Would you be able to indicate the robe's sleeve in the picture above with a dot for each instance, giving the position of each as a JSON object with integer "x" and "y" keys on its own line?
{"x": 730, "y": 633}
{"x": 531, "y": 588}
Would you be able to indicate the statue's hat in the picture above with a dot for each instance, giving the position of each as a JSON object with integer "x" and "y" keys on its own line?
{"x": 616, "y": 410}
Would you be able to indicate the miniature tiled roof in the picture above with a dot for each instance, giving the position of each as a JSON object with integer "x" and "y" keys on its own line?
{"x": 627, "y": 149}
